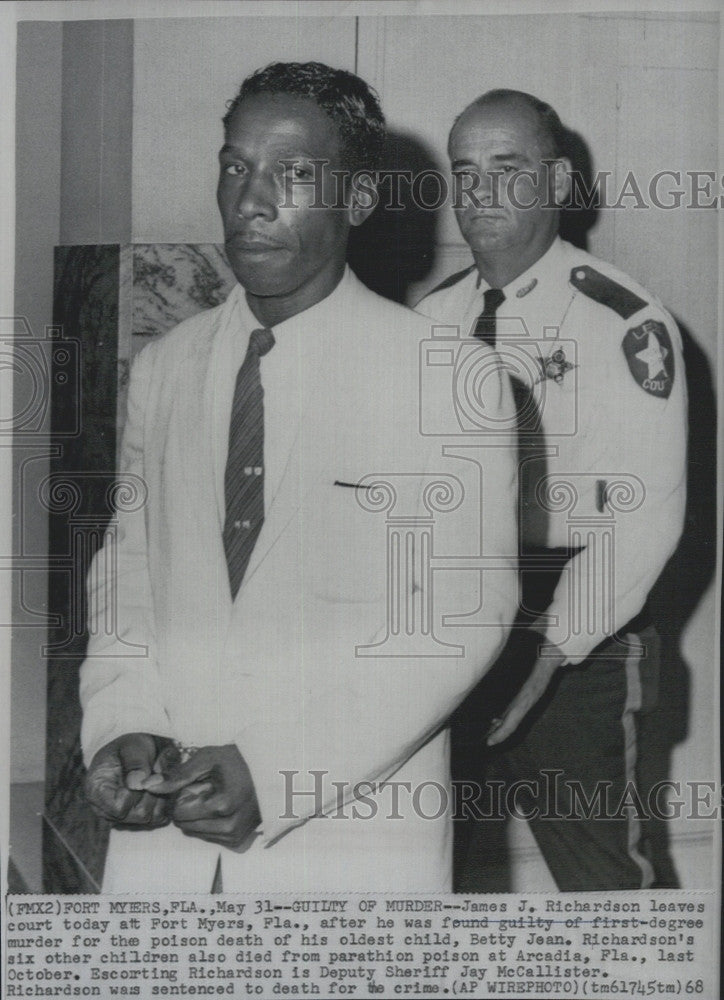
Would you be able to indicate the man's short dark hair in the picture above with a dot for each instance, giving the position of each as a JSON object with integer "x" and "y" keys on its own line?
{"x": 351, "y": 104}
{"x": 552, "y": 129}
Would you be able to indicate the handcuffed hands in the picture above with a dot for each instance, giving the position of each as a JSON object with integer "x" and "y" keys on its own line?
{"x": 212, "y": 795}
{"x": 114, "y": 783}
{"x": 138, "y": 781}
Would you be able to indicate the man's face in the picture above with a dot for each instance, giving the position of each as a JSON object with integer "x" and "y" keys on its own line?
{"x": 489, "y": 147}
{"x": 280, "y": 247}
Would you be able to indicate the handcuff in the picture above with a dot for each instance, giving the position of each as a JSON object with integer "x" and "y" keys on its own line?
{"x": 174, "y": 756}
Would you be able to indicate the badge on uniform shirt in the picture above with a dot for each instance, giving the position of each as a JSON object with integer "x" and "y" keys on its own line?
{"x": 650, "y": 357}
{"x": 555, "y": 366}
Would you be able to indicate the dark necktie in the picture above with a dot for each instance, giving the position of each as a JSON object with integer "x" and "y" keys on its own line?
{"x": 485, "y": 326}
{"x": 244, "y": 476}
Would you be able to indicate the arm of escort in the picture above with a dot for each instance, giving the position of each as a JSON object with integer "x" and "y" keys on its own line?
{"x": 124, "y": 723}
{"x": 643, "y": 434}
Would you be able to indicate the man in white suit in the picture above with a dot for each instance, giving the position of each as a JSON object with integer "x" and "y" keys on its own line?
{"x": 307, "y": 711}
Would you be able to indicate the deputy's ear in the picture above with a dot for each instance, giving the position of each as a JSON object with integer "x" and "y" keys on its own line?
{"x": 363, "y": 196}
{"x": 561, "y": 179}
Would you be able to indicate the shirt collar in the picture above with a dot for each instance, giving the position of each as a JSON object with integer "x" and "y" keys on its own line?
{"x": 536, "y": 275}
{"x": 319, "y": 316}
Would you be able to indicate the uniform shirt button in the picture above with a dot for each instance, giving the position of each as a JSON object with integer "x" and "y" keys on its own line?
{"x": 581, "y": 275}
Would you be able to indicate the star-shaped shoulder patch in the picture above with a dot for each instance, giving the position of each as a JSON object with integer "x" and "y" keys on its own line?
{"x": 650, "y": 357}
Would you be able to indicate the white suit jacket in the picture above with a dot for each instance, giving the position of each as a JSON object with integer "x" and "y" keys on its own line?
{"x": 281, "y": 671}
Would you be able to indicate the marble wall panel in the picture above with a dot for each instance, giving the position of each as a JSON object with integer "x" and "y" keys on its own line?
{"x": 174, "y": 281}
{"x": 83, "y": 431}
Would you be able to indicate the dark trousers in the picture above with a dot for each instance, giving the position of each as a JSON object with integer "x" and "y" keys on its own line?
{"x": 570, "y": 768}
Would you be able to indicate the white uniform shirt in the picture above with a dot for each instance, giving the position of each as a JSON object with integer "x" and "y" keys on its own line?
{"x": 602, "y": 414}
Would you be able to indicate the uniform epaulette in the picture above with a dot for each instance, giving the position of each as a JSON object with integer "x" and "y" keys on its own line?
{"x": 605, "y": 290}
{"x": 452, "y": 280}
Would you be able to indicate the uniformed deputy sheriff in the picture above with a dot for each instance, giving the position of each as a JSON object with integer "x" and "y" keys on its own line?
{"x": 597, "y": 368}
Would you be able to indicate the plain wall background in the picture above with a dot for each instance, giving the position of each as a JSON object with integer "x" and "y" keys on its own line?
{"x": 640, "y": 89}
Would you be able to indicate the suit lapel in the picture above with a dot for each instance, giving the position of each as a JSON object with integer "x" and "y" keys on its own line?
{"x": 182, "y": 471}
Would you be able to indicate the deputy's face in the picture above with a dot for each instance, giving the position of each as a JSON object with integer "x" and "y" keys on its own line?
{"x": 489, "y": 148}
{"x": 279, "y": 246}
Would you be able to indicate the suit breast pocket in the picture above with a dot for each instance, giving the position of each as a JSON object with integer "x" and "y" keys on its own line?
{"x": 344, "y": 546}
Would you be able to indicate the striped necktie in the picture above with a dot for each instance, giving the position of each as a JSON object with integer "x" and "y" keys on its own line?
{"x": 485, "y": 326}
{"x": 244, "y": 476}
